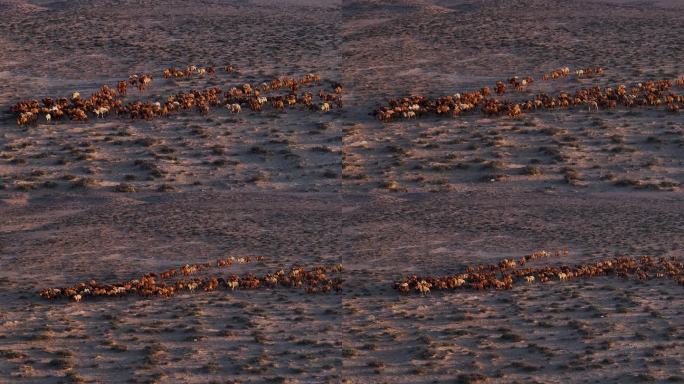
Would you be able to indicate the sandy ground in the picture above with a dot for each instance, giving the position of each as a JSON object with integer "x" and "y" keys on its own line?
{"x": 311, "y": 188}
{"x": 604, "y": 329}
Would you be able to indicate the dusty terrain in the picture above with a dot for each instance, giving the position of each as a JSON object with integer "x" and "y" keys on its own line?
{"x": 602, "y": 329}
{"x": 385, "y": 200}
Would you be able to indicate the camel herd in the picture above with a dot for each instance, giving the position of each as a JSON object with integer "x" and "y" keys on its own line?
{"x": 646, "y": 94}
{"x": 487, "y": 99}
{"x": 502, "y": 275}
{"x": 109, "y": 101}
{"x": 319, "y": 279}
{"x": 189, "y": 72}
{"x": 508, "y": 272}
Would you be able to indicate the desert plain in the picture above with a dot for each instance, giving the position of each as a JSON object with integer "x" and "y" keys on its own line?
{"x": 113, "y": 198}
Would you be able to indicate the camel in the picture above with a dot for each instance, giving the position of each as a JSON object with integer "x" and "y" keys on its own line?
{"x": 325, "y": 107}
{"x": 235, "y": 108}
{"x": 423, "y": 287}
